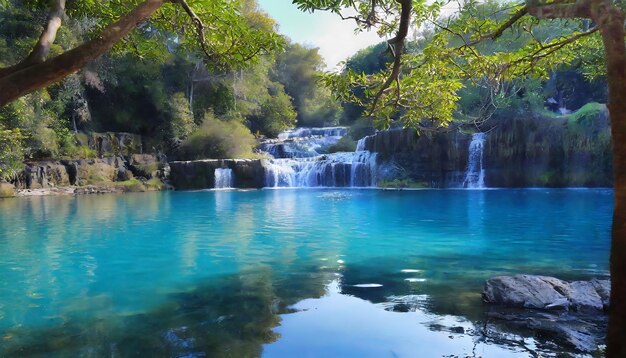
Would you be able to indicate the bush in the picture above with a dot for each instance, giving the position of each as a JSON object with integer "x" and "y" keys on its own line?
{"x": 78, "y": 152}
{"x": 132, "y": 185}
{"x": 218, "y": 139}
{"x": 11, "y": 154}
{"x": 587, "y": 115}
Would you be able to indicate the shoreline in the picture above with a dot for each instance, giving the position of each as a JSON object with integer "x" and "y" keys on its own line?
{"x": 121, "y": 189}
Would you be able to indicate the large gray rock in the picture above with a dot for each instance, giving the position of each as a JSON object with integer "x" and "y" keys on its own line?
{"x": 542, "y": 292}
{"x": 568, "y": 313}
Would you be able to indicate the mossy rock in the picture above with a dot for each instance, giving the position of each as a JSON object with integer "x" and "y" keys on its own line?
{"x": 7, "y": 190}
{"x": 587, "y": 116}
{"x": 402, "y": 184}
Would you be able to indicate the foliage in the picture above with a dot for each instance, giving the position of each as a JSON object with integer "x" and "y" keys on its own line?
{"x": 11, "y": 153}
{"x": 587, "y": 116}
{"x": 181, "y": 122}
{"x": 298, "y": 70}
{"x": 218, "y": 139}
{"x": 461, "y": 52}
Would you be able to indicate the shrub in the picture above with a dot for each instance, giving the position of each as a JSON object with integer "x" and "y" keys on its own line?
{"x": 218, "y": 139}
{"x": 587, "y": 115}
{"x": 132, "y": 185}
{"x": 78, "y": 152}
{"x": 11, "y": 154}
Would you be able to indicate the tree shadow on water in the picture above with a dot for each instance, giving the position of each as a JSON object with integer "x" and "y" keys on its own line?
{"x": 229, "y": 316}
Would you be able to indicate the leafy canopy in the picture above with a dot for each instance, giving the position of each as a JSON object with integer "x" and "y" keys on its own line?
{"x": 473, "y": 43}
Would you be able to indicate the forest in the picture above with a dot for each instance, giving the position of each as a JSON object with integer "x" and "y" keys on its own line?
{"x": 186, "y": 107}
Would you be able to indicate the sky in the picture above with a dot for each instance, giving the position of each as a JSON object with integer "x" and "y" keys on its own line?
{"x": 334, "y": 37}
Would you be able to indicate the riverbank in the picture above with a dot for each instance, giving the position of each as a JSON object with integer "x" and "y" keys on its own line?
{"x": 128, "y": 186}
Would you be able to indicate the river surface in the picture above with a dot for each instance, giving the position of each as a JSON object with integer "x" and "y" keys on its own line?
{"x": 284, "y": 273}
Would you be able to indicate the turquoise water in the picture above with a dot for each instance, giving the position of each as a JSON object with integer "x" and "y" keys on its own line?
{"x": 282, "y": 273}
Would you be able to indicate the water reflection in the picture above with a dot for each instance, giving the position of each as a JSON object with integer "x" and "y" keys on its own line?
{"x": 217, "y": 273}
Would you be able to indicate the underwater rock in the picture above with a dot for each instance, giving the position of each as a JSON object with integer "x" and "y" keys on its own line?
{"x": 570, "y": 313}
{"x": 543, "y": 292}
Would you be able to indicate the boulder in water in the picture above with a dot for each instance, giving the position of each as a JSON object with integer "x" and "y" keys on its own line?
{"x": 543, "y": 292}
{"x": 569, "y": 313}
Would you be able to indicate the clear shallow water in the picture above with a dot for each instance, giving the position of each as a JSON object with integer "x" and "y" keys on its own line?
{"x": 282, "y": 273}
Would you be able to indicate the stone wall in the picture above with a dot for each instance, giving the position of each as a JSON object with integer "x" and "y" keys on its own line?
{"x": 568, "y": 151}
{"x": 60, "y": 173}
{"x": 112, "y": 143}
{"x": 200, "y": 174}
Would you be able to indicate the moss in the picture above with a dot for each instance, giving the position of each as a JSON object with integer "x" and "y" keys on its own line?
{"x": 402, "y": 184}
{"x": 96, "y": 173}
{"x": 155, "y": 184}
{"x": 132, "y": 185}
{"x": 7, "y": 190}
{"x": 586, "y": 116}
{"x": 79, "y": 152}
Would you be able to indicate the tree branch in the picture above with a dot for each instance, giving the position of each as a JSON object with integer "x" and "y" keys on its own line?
{"x": 396, "y": 45}
{"x": 46, "y": 39}
{"x": 198, "y": 23}
{"x": 43, "y": 74}
{"x": 578, "y": 9}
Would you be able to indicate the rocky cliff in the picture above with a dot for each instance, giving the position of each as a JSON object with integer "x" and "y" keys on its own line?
{"x": 82, "y": 172}
{"x": 551, "y": 151}
{"x": 200, "y": 174}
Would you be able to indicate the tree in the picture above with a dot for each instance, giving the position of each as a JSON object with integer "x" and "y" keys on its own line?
{"x": 423, "y": 87}
{"x": 298, "y": 69}
{"x": 216, "y": 28}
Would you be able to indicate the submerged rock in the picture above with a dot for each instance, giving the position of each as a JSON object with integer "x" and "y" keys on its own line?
{"x": 569, "y": 313}
{"x": 543, "y": 292}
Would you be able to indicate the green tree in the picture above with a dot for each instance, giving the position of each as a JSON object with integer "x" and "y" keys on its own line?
{"x": 423, "y": 87}
{"x": 298, "y": 69}
{"x": 218, "y": 29}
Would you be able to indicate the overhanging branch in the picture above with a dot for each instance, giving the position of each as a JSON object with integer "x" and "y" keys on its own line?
{"x": 396, "y": 45}
{"x": 41, "y": 49}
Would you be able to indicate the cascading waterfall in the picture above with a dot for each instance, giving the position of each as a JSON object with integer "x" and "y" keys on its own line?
{"x": 297, "y": 161}
{"x": 224, "y": 178}
{"x": 475, "y": 174}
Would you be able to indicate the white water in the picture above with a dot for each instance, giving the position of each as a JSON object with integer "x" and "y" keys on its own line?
{"x": 475, "y": 174}
{"x": 309, "y": 132}
{"x": 224, "y": 178}
{"x": 360, "y": 145}
{"x": 298, "y": 160}
{"x": 356, "y": 169}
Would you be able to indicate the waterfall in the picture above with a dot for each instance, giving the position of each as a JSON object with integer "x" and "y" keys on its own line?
{"x": 475, "y": 174}
{"x": 309, "y": 132}
{"x": 299, "y": 159}
{"x": 224, "y": 178}
{"x": 356, "y": 169}
{"x": 360, "y": 145}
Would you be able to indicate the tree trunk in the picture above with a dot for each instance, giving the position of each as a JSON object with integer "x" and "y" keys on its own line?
{"x": 611, "y": 22}
{"x": 43, "y": 74}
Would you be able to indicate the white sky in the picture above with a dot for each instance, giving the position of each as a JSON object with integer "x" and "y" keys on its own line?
{"x": 334, "y": 37}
